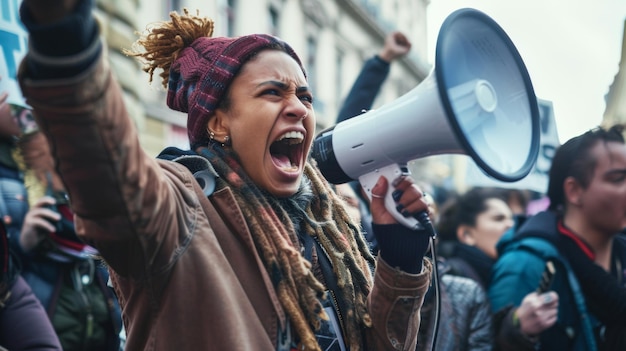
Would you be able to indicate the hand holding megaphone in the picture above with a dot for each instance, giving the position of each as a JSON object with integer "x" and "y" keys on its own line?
{"x": 403, "y": 202}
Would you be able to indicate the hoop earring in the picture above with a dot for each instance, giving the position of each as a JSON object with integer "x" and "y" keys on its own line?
{"x": 224, "y": 143}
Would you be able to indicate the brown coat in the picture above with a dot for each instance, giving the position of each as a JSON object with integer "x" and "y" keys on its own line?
{"x": 184, "y": 265}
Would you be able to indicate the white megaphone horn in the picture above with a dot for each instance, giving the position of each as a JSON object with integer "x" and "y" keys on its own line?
{"x": 478, "y": 101}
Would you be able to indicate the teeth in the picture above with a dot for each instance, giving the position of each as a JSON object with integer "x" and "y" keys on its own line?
{"x": 297, "y": 136}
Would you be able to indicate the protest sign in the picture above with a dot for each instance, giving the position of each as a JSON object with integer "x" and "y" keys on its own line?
{"x": 14, "y": 40}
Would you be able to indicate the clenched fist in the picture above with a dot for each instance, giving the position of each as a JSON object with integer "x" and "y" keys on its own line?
{"x": 538, "y": 312}
{"x": 50, "y": 11}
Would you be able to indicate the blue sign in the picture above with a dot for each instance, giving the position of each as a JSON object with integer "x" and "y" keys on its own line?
{"x": 14, "y": 42}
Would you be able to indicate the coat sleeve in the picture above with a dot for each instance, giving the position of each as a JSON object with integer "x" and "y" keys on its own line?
{"x": 509, "y": 337}
{"x": 365, "y": 88}
{"x": 125, "y": 203}
{"x": 515, "y": 275}
{"x": 480, "y": 333}
{"x": 24, "y": 324}
{"x": 394, "y": 306}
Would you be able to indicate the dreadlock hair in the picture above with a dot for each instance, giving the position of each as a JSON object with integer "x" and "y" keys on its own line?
{"x": 326, "y": 220}
{"x": 574, "y": 159}
{"x": 271, "y": 224}
{"x": 346, "y": 247}
{"x": 164, "y": 41}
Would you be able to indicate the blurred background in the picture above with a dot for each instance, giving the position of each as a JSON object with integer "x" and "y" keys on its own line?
{"x": 574, "y": 53}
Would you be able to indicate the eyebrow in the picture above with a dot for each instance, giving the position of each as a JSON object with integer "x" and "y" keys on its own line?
{"x": 623, "y": 170}
{"x": 616, "y": 171}
{"x": 301, "y": 90}
{"x": 285, "y": 86}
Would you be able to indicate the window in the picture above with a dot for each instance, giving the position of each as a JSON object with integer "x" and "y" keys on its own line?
{"x": 311, "y": 62}
{"x": 173, "y": 5}
{"x": 339, "y": 76}
{"x": 228, "y": 18}
{"x": 274, "y": 21}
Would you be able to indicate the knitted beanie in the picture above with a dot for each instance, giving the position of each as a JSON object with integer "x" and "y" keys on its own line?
{"x": 203, "y": 71}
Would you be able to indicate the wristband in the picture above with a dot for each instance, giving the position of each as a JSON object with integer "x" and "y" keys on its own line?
{"x": 516, "y": 323}
{"x": 515, "y": 319}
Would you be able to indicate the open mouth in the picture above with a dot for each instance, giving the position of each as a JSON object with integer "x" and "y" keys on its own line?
{"x": 286, "y": 151}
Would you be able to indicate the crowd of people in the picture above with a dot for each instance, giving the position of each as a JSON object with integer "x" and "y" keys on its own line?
{"x": 240, "y": 243}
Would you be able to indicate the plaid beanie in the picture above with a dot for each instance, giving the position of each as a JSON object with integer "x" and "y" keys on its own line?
{"x": 202, "y": 72}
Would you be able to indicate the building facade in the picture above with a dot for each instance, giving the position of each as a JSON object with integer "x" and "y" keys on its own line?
{"x": 616, "y": 97}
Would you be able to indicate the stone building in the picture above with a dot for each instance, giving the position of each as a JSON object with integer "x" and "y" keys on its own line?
{"x": 615, "y": 111}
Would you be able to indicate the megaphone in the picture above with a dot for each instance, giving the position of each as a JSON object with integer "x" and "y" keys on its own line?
{"x": 478, "y": 100}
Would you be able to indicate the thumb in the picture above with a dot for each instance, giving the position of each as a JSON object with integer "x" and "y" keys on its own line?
{"x": 379, "y": 190}
{"x": 380, "y": 215}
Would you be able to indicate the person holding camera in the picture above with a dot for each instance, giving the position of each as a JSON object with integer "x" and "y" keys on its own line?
{"x": 23, "y": 321}
{"x": 65, "y": 274}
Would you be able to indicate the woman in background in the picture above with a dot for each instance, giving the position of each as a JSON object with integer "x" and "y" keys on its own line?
{"x": 469, "y": 228}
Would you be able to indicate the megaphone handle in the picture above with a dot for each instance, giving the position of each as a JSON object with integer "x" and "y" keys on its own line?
{"x": 390, "y": 172}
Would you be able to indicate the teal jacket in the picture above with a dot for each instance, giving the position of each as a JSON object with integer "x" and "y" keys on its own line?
{"x": 522, "y": 258}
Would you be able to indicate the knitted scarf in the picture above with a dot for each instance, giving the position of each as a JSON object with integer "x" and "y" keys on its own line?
{"x": 274, "y": 230}
{"x": 479, "y": 263}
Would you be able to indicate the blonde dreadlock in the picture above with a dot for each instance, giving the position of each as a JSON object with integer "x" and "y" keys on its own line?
{"x": 163, "y": 42}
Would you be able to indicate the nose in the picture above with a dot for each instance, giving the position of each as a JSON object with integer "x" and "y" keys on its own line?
{"x": 510, "y": 223}
{"x": 296, "y": 108}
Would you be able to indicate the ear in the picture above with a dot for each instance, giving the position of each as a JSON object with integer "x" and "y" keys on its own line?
{"x": 573, "y": 191}
{"x": 465, "y": 235}
{"x": 219, "y": 125}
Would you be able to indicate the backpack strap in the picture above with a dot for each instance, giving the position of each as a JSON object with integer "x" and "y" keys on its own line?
{"x": 202, "y": 170}
{"x": 526, "y": 244}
